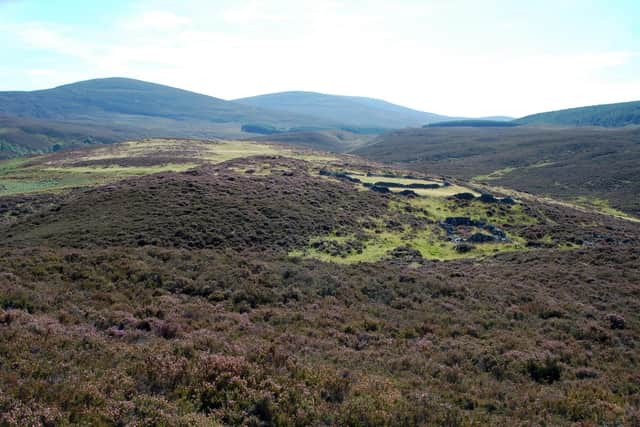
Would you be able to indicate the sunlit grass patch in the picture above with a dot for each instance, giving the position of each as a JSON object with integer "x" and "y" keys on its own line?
{"x": 600, "y": 205}
{"x": 378, "y": 239}
{"x": 120, "y": 170}
{"x": 439, "y": 208}
{"x": 377, "y": 242}
{"x": 10, "y": 165}
{"x": 393, "y": 180}
{"x": 375, "y": 248}
{"x": 428, "y": 242}
{"x": 35, "y": 179}
{"x": 444, "y": 191}
{"x": 494, "y": 175}
{"x": 500, "y": 173}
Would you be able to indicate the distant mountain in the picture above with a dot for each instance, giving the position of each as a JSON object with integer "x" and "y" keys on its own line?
{"x": 475, "y": 123}
{"x": 608, "y": 115}
{"x": 497, "y": 118}
{"x": 115, "y": 109}
{"x": 128, "y": 100}
{"x": 350, "y": 111}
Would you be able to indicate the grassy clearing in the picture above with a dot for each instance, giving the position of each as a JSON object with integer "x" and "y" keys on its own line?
{"x": 12, "y": 164}
{"x": 600, "y": 205}
{"x": 10, "y": 186}
{"x": 36, "y": 179}
{"x": 447, "y": 191}
{"x": 494, "y": 175}
{"x": 202, "y": 151}
{"x": 122, "y": 171}
{"x": 430, "y": 240}
{"x": 394, "y": 180}
{"x": 582, "y": 203}
{"x": 500, "y": 173}
{"x": 438, "y": 208}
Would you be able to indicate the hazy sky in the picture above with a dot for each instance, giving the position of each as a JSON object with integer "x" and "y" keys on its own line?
{"x": 457, "y": 57}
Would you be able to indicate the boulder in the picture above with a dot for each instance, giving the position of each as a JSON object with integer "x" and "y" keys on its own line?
{"x": 616, "y": 321}
{"x": 464, "y": 248}
{"x": 408, "y": 193}
{"x": 464, "y": 196}
{"x": 420, "y": 185}
{"x": 377, "y": 189}
{"x": 487, "y": 198}
{"x": 406, "y": 254}
{"x": 507, "y": 201}
{"x": 481, "y": 238}
{"x": 389, "y": 184}
{"x": 459, "y": 220}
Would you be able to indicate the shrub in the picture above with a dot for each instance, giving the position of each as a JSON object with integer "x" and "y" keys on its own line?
{"x": 546, "y": 372}
{"x": 616, "y": 321}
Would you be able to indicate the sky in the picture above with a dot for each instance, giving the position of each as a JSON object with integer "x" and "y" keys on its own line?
{"x": 456, "y": 57}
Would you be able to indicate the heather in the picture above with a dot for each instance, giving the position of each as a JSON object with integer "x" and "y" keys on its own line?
{"x": 262, "y": 291}
{"x": 180, "y": 337}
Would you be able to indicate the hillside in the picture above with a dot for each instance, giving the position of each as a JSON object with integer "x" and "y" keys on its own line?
{"x": 116, "y": 109}
{"x": 337, "y": 141}
{"x": 608, "y": 115}
{"x": 22, "y": 136}
{"x": 353, "y": 112}
{"x": 589, "y": 166}
{"x": 128, "y": 100}
{"x": 474, "y": 123}
{"x": 188, "y": 282}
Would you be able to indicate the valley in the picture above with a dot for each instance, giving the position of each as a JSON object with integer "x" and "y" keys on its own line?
{"x": 591, "y": 167}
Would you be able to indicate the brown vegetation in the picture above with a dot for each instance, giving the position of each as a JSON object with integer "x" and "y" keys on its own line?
{"x": 170, "y": 300}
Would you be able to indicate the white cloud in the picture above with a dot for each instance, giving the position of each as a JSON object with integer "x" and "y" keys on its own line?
{"x": 256, "y": 47}
{"x": 158, "y": 20}
{"x": 252, "y": 12}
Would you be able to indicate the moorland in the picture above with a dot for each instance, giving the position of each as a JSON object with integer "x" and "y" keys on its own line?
{"x": 292, "y": 259}
{"x": 192, "y": 282}
{"x": 590, "y": 166}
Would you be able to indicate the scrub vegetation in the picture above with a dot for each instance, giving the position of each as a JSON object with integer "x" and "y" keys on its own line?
{"x": 225, "y": 283}
{"x": 572, "y": 164}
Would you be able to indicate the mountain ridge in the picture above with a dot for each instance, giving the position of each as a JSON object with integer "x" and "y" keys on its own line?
{"x": 605, "y": 115}
{"x": 113, "y": 95}
{"x": 360, "y": 111}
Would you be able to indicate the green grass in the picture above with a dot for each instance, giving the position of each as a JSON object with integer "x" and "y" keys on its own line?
{"x": 494, "y": 175}
{"x": 445, "y": 191}
{"x": 430, "y": 240}
{"x": 121, "y": 171}
{"x": 439, "y": 208}
{"x": 394, "y": 180}
{"x": 12, "y": 164}
{"x": 500, "y": 173}
{"x": 42, "y": 184}
{"x": 376, "y": 247}
{"x": 34, "y": 179}
{"x": 600, "y": 205}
